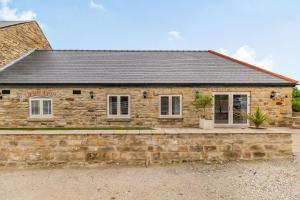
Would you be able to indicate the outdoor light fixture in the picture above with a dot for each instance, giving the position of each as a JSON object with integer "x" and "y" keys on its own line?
{"x": 273, "y": 95}
{"x": 91, "y": 94}
{"x": 145, "y": 94}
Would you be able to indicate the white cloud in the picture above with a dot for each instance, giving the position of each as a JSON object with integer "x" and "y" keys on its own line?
{"x": 97, "y": 6}
{"x": 174, "y": 35}
{"x": 247, "y": 54}
{"x": 12, "y": 14}
{"x": 4, "y": 2}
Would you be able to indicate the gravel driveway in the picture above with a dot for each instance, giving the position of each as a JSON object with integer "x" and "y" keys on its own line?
{"x": 235, "y": 180}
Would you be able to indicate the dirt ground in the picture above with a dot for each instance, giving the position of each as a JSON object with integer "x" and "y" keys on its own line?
{"x": 234, "y": 180}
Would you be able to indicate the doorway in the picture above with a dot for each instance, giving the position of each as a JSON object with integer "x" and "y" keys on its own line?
{"x": 231, "y": 108}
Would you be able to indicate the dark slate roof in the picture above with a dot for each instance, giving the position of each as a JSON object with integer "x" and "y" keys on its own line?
{"x": 11, "y": 23}
{"x": 133, "y": 67}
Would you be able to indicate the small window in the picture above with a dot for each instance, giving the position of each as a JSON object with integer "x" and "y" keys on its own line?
{"x": 118, "y": 106}
{"x": 77, "y": 92}
{"x": 170, "y": 106}
{"x": 5, "y": 91}
{"x": 40, "y": 107}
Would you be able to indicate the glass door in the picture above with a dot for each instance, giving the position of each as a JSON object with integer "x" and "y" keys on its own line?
{"x": 221, "y": 109}
{"x": 231, "y": 108}
{"x": 239, "y": 108}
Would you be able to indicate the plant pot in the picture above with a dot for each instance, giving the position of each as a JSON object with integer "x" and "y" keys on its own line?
{"x": 206, "y": 124}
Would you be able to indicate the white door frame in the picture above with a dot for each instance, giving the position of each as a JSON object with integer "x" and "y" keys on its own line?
{"x": 230, "y": 108}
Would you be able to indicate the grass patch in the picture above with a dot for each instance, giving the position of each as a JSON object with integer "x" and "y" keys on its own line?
{"x": 67, "y": 129}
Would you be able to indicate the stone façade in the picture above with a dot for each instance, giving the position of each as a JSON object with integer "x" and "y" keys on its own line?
{"x": 19, "y": 39}
{"x": 82, "y": 111}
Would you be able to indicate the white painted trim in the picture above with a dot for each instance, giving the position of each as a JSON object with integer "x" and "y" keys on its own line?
{"x": 16, "y": 60}
{"x": 118, "y": 115}
{"x": 41, "y": 115}
{"x": 170, "y": 106}
{"x": 230, "y": 109}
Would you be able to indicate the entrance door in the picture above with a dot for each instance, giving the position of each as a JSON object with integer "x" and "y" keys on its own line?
{"x": 231, "y": 108}
{"x": 221, "y": 109}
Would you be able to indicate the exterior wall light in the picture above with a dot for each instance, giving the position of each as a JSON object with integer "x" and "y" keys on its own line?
{"x": 145, "y": 94}
{"x": 92, "y": 94}
{"x": 273, "y": 95}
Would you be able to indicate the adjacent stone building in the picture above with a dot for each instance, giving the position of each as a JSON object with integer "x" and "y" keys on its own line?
{"x": 18, "y": 38}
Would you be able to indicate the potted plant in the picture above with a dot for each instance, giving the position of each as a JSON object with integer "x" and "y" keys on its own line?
{"x": 201, "y": 103}
{"x": 257, "y": 118}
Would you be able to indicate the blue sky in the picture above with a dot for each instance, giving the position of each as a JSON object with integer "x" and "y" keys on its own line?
{"x": 262, "y": 32}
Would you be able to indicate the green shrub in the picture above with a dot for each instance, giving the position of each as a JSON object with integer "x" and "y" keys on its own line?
{"x": 296, "y": 105}
{"x": 202, "y": 102}
{"x": 296, "y": 93}
{"x": 296, "y": 100}
{"x": 258, "y": 117}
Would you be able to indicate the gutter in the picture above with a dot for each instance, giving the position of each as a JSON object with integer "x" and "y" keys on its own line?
{"x": 153, "y": 84}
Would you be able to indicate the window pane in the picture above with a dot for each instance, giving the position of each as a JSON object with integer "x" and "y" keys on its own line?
{"x": 124, "y": 105}
{"x": 47, "y": 107}
{"x": 176, "y": 105}
{"x": 221, "y": 109}
{"x": 35, "y": 107}
{"x": 239, "y": 109}
{"x": 164, "y": 106}
{"x": 113, "y": 105}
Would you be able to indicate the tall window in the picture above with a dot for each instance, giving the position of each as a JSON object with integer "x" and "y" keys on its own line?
{"x": 40, "y": 107}
{"x": 170, "y": 106}
{"x": 118, "y": 106}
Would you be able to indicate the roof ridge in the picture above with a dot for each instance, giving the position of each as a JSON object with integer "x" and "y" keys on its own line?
{"x": 253, "y": 67}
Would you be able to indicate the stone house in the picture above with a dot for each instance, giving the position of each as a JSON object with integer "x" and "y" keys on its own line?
{"x": 18, "y": 38}
{"x": 58, "y": 88}
{"x": 82, "y": 88}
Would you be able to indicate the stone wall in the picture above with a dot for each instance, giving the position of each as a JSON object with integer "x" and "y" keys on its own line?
{"x": 19, "y": 39}
{"x": 81, "y": 111}
{"x": 65, "y": 150}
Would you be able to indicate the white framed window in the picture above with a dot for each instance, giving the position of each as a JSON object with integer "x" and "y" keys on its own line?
{"x": 40, "y": 107}
{"x": 170, "y": 106}
{"x": 118, "y": 106}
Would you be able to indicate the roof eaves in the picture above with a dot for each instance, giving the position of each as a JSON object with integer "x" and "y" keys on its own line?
{"x": 16, "y": 60}
{"x": 156, "y": 84}
{"x": 254, "y": 67}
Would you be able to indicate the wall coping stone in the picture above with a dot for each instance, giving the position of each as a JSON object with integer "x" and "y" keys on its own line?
{"x": 157, "y": 131}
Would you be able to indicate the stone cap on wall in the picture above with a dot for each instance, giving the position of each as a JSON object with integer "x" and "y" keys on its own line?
{"x": 157, "y": 131}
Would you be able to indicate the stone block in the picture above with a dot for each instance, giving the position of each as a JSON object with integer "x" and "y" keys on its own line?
{"x": 196, "y": 148}
{"x": 210, "y": 148}
{"x": 259, "y": 154}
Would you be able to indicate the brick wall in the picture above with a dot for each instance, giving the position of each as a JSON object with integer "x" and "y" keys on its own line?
{"x": 65, "y": 150}
{"x": 81, "y": 111}
{"x": 19, "y": 39}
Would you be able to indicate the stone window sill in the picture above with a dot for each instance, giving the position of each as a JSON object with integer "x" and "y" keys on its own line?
{"x": 111, "y": 119}
{"x": 170, "y": 117}
{"x": 40, "y": 119}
